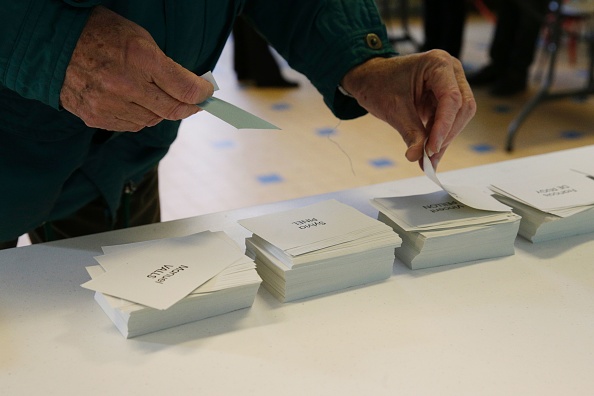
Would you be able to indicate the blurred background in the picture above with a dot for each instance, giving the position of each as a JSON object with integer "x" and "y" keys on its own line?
{"x": 213, "y": 167}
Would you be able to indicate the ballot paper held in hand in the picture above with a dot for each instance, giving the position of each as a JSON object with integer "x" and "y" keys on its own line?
{"x": 230, "y": 113}
{"x": 472, "y": 196}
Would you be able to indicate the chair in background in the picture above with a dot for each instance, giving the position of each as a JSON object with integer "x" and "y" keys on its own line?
{"x": 571, "y": 21}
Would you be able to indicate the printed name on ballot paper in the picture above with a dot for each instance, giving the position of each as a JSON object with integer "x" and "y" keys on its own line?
{"x": 161, "y": 273}
{"x": 330, "y": 221}
{"x": 563, "y": 189}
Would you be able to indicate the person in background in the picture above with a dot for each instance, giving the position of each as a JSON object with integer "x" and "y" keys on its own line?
{"x": 512, "y": 47}
{"x": 443, "y": 25}
{"x": 91, "y": 95}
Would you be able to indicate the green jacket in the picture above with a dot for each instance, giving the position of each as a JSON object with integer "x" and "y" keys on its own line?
{"x": 51, "y": 163}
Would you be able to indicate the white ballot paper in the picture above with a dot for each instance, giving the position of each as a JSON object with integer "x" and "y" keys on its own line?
{"x": 160, "y": 273}
{"x": 473, "y": 196}
{"x": 231, "y": 114}
{"x": 314, "y": 227}
{"x": 562, "y": 193}
{"x": 433, "y": 211}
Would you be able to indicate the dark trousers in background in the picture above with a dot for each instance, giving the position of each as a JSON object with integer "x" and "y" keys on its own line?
{"x": 444, "y": 23}
{"x": 516, "y": 34}
{"x": 253, "y": 60}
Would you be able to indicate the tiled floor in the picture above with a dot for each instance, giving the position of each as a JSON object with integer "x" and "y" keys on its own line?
{"x": 214, "y": 167}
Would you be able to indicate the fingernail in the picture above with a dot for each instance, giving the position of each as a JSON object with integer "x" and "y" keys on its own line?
{"x": 438, "y": 146}
{"x": 409, "y": 155}
{"x": 430, "y": 152}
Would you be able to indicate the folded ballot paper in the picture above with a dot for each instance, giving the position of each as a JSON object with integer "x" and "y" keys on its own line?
{"x": 553, "y": 205}
{"x": 320, "y": 248}
{"x": 453, "y": 225}
{"x": 154, "y": 285}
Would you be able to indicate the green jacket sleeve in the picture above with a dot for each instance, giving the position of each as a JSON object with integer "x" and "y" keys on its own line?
{"x": 38, "y": 37}
{"x": 323, "y": 39}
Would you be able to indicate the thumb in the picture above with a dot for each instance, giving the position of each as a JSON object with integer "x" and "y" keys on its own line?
{"x": 415, "y": 149}
{"x": 180, "y": 83}
{"x": 413, "y": 133}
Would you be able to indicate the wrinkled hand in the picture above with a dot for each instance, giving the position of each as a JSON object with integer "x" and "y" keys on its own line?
{"x": 423, "y": 96}
{"x": 118, "y": 79}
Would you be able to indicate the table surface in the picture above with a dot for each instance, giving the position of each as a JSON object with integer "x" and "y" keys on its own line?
{"x": 522, "y": 324}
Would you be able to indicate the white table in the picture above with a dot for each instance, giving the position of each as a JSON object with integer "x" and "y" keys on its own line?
{"x": 519, "y": 325}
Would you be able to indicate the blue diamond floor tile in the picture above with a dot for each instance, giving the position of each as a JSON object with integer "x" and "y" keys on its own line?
{"x": 572, "y": 134}
{"x": 381, "y": 162}
{"x": 281, "y": 106}
{"x": 325, "y": 131}
{"x": 502, "y": 108}
{"x": 482, "y": 148}
{"x": 270, "y": 178}
{"x": 223, "y": 144}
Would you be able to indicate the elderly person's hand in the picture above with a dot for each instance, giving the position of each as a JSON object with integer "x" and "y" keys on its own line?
{"x": 118, "y": 79}
{"x": 423, "y": 96}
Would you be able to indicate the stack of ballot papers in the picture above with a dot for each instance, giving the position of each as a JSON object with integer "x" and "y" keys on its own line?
{"x": 320, "y": 248}
{"x": 552, "y": 206}
{"x": 154, "y": 285}
{"x": 436, "y": 229}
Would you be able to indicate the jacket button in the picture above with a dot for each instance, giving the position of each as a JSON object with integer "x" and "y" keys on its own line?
{"x": 373, "y": 41}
